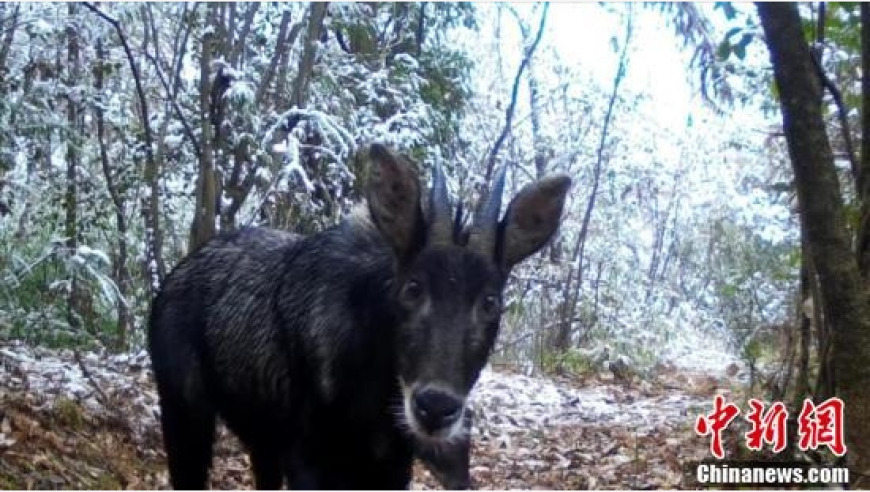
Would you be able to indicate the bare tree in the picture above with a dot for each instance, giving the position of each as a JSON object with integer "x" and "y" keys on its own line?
{"x": 155, "y": 266}
{"x": 120, "y": 273}
{"x": 574, "y": 281}
{"x": 211, "y": 114}
{"x": 73, "y": 161}
{"x": 227, "y": 167}
{"x": 528, "y": 54}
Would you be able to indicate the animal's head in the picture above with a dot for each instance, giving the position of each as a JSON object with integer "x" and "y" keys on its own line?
{"x": 450, "y": 280}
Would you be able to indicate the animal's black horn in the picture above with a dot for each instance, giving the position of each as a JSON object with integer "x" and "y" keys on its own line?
{"x": 440, "y": 228}
{"x": 486, "y": 219}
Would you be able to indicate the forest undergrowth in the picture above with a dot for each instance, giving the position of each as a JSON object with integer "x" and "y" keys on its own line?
{"x": 72, "y": 420}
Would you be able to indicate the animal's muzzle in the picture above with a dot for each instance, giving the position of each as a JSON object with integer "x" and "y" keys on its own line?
{"x": 435, "y": 409}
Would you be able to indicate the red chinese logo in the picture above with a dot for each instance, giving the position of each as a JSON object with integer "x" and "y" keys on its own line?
{"x": 818, "y": 425}
{"x": 715, "y": 423}
{"x": 822, "y": 425}
{"x": 767, "y": 427}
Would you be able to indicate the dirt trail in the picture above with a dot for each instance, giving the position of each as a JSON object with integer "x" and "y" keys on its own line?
{"x": 90, "y": 421}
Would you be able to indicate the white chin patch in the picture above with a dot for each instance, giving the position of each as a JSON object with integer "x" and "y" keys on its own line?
{"x": 442, "y": 436}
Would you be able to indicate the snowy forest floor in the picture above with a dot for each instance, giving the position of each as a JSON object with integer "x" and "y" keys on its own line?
{"x": 76, "y": 421}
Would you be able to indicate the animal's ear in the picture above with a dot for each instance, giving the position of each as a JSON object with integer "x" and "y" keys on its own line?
{"x": 532, "y": 218}
{"x": 394, "y": 199}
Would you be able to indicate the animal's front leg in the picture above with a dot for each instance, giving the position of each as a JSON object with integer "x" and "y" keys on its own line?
{"x": 266, "y": 465}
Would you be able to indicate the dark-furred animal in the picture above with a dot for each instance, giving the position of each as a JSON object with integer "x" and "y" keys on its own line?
{"x": 338, "y": 357}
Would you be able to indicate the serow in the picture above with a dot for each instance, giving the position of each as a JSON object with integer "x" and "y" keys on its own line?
{"x": 338, "y": 357}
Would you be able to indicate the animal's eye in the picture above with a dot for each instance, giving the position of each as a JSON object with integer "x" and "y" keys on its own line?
{"x": 412, "y": 291}
{"x": 491, "y": 306}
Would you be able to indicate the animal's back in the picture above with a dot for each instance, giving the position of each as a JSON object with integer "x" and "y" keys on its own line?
{"x": 287, "y": 339}
{"x": 218, "y": 299}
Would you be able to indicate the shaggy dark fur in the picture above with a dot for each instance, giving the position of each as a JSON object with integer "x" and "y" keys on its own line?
{"x": 337, "y": 357}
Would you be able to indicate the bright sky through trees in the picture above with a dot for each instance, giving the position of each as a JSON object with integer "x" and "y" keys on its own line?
{"x": 661, "y": 85}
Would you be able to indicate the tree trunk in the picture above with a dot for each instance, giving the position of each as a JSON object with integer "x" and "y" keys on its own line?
{"x": 8, "y": 26}
{"x": 317, "y": 13}
{"x": 74, "y": 314}
{"x": 120, "y": 274}
{"x": 863, "y": 185}
{"x": 238, "y": 186}
{"x": 284, "y": 208}
{"x": 822, "y": 213}
{"x": 155, "y": 267}
{"x": 805, "y": 321}
{"x": 203, "y": 227}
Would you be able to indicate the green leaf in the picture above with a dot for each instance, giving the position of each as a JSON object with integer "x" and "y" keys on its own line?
{"x": 732, "y": 32}
{"x": 724, "y": 50}
{"x": 727, "y": 9}
{"x": 740, "y": 51}
{"x": 740, "y": 47}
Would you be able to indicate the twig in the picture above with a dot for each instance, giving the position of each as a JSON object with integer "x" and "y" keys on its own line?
{"x": 831, "y": 87}
{"x": 151, "y": 210}
{"x": 101, "y": 395}
{"x": 580, "y": 246}
{"x": 13, "y": 358}
{"x": 113, "y": 415}
{"x": 509, "y": 113}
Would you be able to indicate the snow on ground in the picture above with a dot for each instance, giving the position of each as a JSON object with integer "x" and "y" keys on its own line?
{"x": 700, "y": 350}
{"x": 606, "y": 431}
{"x": 502, "y": 402}
{"x": 96, "y": 381}
{"x": 510, "y": 402}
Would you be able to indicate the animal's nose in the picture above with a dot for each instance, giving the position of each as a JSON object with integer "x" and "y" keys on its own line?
{"x": 435, "y": 409}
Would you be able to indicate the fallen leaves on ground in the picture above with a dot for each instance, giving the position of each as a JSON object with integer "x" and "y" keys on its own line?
{"x": 77, "y": 421}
